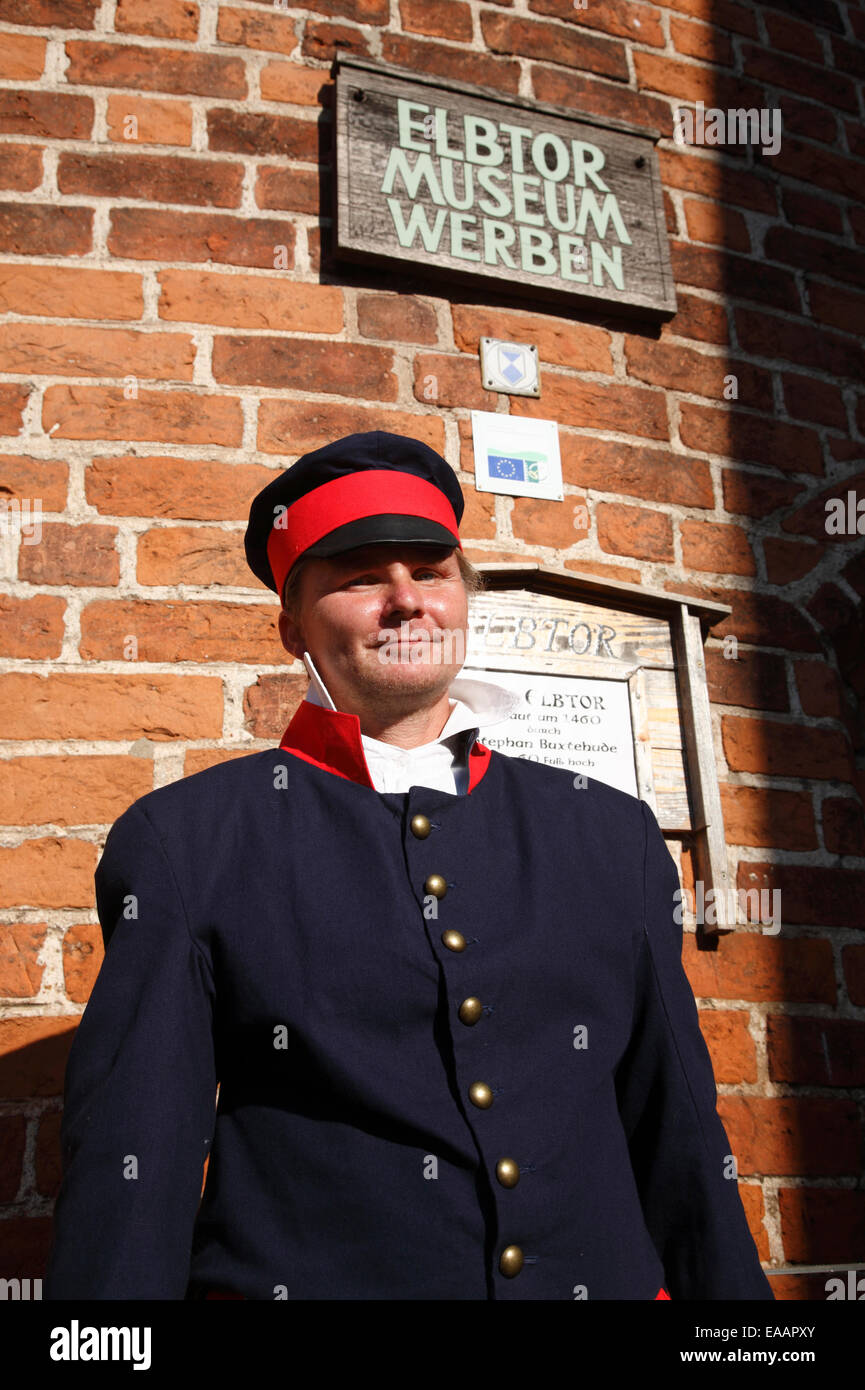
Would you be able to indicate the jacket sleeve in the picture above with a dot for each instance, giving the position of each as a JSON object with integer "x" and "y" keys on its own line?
{"x": 140, "y": 1088}
{"x": 666, "y": 1091}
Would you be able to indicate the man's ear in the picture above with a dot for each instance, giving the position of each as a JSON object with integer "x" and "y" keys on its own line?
{"x": 290, "y": 635}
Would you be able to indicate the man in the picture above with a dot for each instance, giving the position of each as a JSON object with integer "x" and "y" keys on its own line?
{"x": 440, "y": 988}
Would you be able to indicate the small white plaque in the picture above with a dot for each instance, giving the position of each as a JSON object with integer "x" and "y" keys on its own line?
{"x": 511, "y": 367}
{"x": 517, "y": 456}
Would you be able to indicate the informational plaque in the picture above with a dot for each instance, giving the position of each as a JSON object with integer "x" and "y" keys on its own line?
{"x": 459, "y": 181}
{"x": 583, "y": 725}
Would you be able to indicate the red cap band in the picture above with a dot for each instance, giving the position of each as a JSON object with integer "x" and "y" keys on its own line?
{"x": 368, "y": 492}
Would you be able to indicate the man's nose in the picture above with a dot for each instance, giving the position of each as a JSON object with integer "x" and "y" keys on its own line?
{"x": 403, "y": 597}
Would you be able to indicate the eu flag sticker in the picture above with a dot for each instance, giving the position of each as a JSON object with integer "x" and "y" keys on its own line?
{"x": 503, "y": 466}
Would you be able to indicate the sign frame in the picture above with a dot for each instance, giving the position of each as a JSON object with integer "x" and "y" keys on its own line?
{"x": 355, "y": 75}
{"x": 689, "y": 621}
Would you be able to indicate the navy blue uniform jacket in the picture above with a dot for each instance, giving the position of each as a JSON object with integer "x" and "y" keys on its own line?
{"x": 268, "y": 927}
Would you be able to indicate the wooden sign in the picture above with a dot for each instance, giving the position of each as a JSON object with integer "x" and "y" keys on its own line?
{"x": 565, "y": 641}
{"x": 463, "y": 182}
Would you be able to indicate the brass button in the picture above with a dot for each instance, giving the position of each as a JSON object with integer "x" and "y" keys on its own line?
{"x": 435, "y": 884}
{"x": 511, "y": 1261}
{"x": 508, "y": 1172}
{"x": 454, "y": 940}
{"x": 420, "y": 826}
{"x": 470, "y": 1010}
{"x": 480, "y": 1095}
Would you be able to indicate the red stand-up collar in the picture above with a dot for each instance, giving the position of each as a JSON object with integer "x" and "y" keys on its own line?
{"x": 331, "y": 739}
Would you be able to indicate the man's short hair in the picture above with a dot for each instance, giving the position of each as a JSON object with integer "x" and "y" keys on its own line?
{"x": 473, "y": 581}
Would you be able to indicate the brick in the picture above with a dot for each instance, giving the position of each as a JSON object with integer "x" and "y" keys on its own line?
{"x": 790, "y": 36}
{"x": 294, "y": 83}
{"x": 263, "y": 133}
{"x": 780, "y": 70}
{"x": 624, "y": 574}
{"x": 185, "y": 489}
{"x": 22, "y": 58}
{"x": 700, "y": 319}
{"x": 820, "y": 167}
{"x": 149, "y": 120}
{"x": 294, "y": 189}
{"x": 643, "y": 532}
{"x": 736, "y": 435}
{"x": 810, "y": 518}
{"x": 636, "y": 471}
{"x": 731, "y": 1047}
{"x": 705, "y": 175}
{"x": 13, "y": 399}
{"x": 32, "y": 628}
{"x": 807, "y": 119}
{"x": 402, "y": 318}
{"x": 787, "y": 561}
{"x": 755, "y": 494}
{"x": 13, "y": 1132}
{"x": 47, "y": 872}
{"x": 48, "y": 1160}
{"x": 145, "y": 234}
{"x": 738, "y": 277}
{"x": 20, "y": 167}
{"x": 816, "y": 254}
{"x": 269, "y": 704}
{"x": 718, "y": 547}
{"x": 526, "y": 38}
{"x": 33, "y": 1056}
{"x": 170, "y": 417}
{"x": 754, "y": 680}
{"x": 593, "y": 405}
{"x": 159, "y": 19}
{"x": 841, "y": 308}
{"x": 45, "y": 231}
{"x": 70, "y": 789}
{"x": 178, "y": 70}
{"x": 83, "y": 954}
{"x": 810, "y": 895}
{"x": 808, "y": 399}
{"x": 843, "y": 826}
{"x": 763, "y": 816}
{"x": 70, "y": 293}
{"x": 204, "y": 556}
{"x": 55, "y": 115}
{"x": 761, "y": 620}
{"x": 539, "y": 521}
{"x": 22, "y": 477}
{"x": 443, "y": 19}
{"x": 805, "y": 210}
{"x": 249, "y": 301}
{"x": 585, "y": 94}
{"x": 349, "y": 369}
{"x": 620, "y": 18}
{"x": 446, "y": 380}
{"x": 853, "y": 958}
{"x": 697, "y": 40}
{"x": 444, "y": 60}
{"x": 680, "y": 368}
{"x": 692, "y": 82}
{"x": 716, "y": 224}
{"x": 26, "y": 1246}
{"x": 68, "y": 14}
{"x": 816, "y": 1051}
{"x": 20, "y": 971}
{"x": 104, "y": 706}
{"x": 560, "y": 342}
{"x": 76, "y": 351}
{"x": 820, "y": 1224}
{"x": 784, "y": 749}
{"x": 792, "y": 1136}
{"x": 297, "y": 427}
{"x": 324, "y": 41}
{"x": 766, "y": 969}
{"x": 72, "y": 555}
{"x": 195, "y": 631}
{"x": 152, "y": 178}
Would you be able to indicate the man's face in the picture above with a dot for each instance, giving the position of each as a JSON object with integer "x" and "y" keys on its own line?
{"x": 385, "y": 625}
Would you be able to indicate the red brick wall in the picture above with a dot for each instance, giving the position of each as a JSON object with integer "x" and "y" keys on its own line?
{"x": 173, "y": 332}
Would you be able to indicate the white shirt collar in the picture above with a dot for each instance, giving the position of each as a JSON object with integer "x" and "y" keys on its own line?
{"x": 441, "y": 763}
